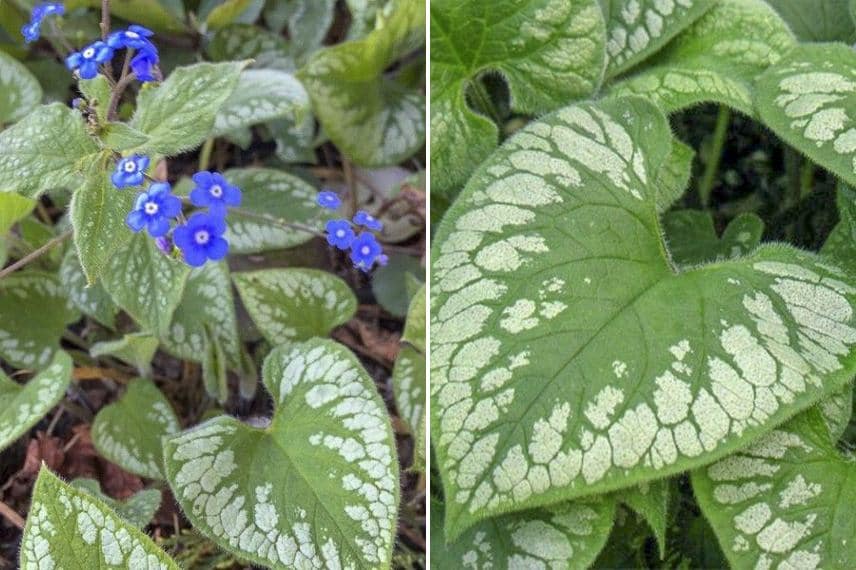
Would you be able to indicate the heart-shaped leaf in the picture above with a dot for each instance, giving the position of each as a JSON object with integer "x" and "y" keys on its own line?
{"x": 271, "y": 198}
{"x": 808, "y": 99}
{"x": 21, "y": 407}
{"x": 778, "y": 503}
{"x": 549, "y": 53}
{"x": 566, "y": 535}
{"x": 372, "y": 119}
{"x": 295, "y": 304}
{"x": 569, "y": 357}
{"x": 139, "y": 509}
{"x": 129, "y": 431}
{"x": 692, "y": 237}
{"x": 318, "y": 486}
{"x": 91, "y": 300}
{"x": 716, "y": 59}
{"x": 47, "y": 149}
{"x": 179, "y": 114}
{"x": 69, "y": 528}
{"x": 20, "y": 92}
{"x": 146, "y": 283}
{"x": 135, "y": 348}
{"x": 265, "y": 95}
{"x": 33, "y": 314}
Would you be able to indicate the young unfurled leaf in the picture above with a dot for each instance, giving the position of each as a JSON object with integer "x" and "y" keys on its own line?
{"x": 128, "y": 432}
{"x": 179, "y": 114}
{"x": 635, "y": 29}
{"x": 808, "y": 99}
{"x": 408, "y": 376}
{"x": 20, "y": 92}
{"x": 207, "y": 303}
{"x": 91, "y": 300}
{"x": 319, "y": 485}
{"x": 692, "y": 237}
{"x": 34, "y": 312}
{"x": 47, "y": 149}
{"x": 243, "y": 41}
{"x": 276, "y": 195}
{"x": 778, "y": 503}
{"x": 98, "y": 214}
{"x": 372, "y": 119}
{"x": 70, "y": 528}
{"x": 566, "y": 535}
{"x": 295, "y": 304}
{"x": 651, "y": 502}
{"x": 21, "y": 407}
{"x": 134, "y": 348}
{"x": 817, "y": 20}
{"x": 139, "y": 509}
{"x": 549, "y": 53}
{"x": 716, "y": 59}
{"x": 146, "y": 283}
{"x": 264, "y": 95}
{"x": 570, "y": 358}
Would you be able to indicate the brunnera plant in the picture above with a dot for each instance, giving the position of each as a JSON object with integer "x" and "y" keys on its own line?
{"x": 591, "y": 344}
{"x": 121, "y": 270}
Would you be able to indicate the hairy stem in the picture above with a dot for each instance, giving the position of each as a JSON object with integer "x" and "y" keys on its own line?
{"x": 205, "y": 154}
{"x": 36, "y": 254}
{"x": 723, "y": 120}
{"x": 116, "y": 96}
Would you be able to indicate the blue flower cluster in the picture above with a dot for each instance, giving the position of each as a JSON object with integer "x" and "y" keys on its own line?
{"x": 200, "y": 237}
{"x": 342, "y": 234}
{"x": 32, "y": 30}
{"x": 143, "y": 64}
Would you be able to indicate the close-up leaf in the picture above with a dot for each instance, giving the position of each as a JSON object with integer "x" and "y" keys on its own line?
{"x": 20, "y": 92}
{"x": 138, "y": 509}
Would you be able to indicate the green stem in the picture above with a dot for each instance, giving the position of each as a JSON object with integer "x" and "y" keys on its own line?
{"x": 484, "y": 102}
{"x": 205, "y": 154}
{"x": 723, "y": 120}
{"x": 806, "y": 178}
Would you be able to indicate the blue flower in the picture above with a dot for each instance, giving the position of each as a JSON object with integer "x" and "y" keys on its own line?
{"x": 328, "y": 199}
{"x": 201, "y": 238}
{"x": 86, "y": 61}
{"x": 153, "y": 210}
{"x": 340, "y": 234}
{"x": 130, "y": 171}
{"x": 143, "y": 65}
{"x": 135, "y": 37}
{"x": 214, "y": 192}
{"x": 363, "y": 218}
{"x": 365, "y": 250}
{"x": 32, "y": 30}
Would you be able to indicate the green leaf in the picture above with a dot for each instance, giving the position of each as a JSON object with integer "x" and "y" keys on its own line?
{"x": 837, "y": 411}
{"x": 549, "y": 55}
{"x": 264, "y": 95}
{"x": 692, "y": 237}
{"x": 128, "y": 432}
{"x": 389, "y": 283}
{"x": 244, "y": 41}
{"x": 408, "y": 376}
{"x": 570, "y": 358}
{"x": 145, "y": 283}
{"x": 808, "y": 98}
{"x": 226, "y": 13}
{"x": 150, "y": 13}
{"x": 674, "y": 175}
{"x": 97, "y": 213}
{"x": 717, "y": 59}
{"x": 295, "y": 304}
{"x": 364, "y": 15}
{"x": 13, "y": 208}
{"x": 565, "y": 535}
{"x": 817, "y": 20}
{"x": 207, "y": 304}
{"x": 841, "y": 243}
{"x": 651, "y": 502}
{"x": 97, "y": 92}
{"x": 119, "y": 137}
{"x": 179, "y": 114}
{"x": 47, "y": 149}
{"x": 373, "y": 120}
{"x": 91, "y": 300}
{"x": 308, "y": 23}
{"x": 22, "y": 407}
{"x": 295, "y": 142}
{"x": 270, "y": 199}
{"x": 134, "y": 348}
{"x": 20, "y": 92}
{"x": 139, "y": 509}
{"x": 318, "y": 485}
{"x": 69, "y": 528}
{"x": 33, "y": 314}
{"x": 777, "y": 503}
{"x": 636, "y": 29}
{"x": 214, "y": 369}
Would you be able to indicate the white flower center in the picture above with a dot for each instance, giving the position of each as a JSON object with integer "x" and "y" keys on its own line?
{"x": 132, "y": 35}
{"x": 151, "y": 208}
{"x": 340, "y": 233}
{"x": 130, "y": 167}
{"x": 365, "y": 250}
{"x": 202, "y": 237}
{"x": 88, "y": 53}
{"x": 216, "y": 191}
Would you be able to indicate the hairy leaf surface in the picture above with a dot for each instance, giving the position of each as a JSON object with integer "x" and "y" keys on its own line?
{"x": 20, "y": 92}
{"x": 549, "y": 52}
{"x": 408, "y": 376}
{"x": 570, "y": 358}
{"x": 319, "y": 485}
{"x": 139, "y": 509}
{"x": 651, "y": 502}
{"x": 91, "y": 300}
{"x": 780, "y": 503}
{"x": 808, "y": 99}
